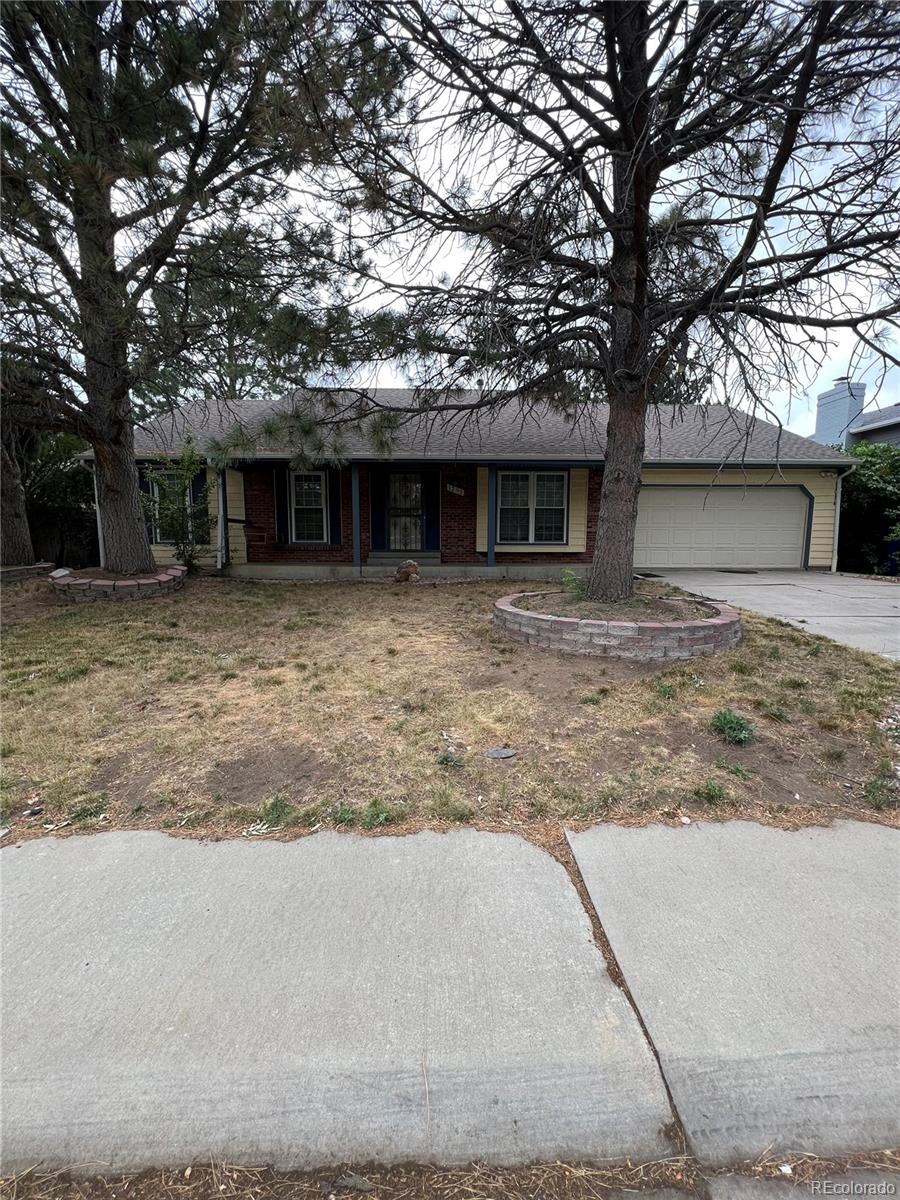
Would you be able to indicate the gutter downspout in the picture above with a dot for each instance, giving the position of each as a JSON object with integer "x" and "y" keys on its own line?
{"x": 100, "y": 542}
{"x": 837, "y": 513}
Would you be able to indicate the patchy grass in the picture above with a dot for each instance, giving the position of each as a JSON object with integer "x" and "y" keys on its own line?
{"x": 283, "y": 708}
{"x": 732, "y": 728}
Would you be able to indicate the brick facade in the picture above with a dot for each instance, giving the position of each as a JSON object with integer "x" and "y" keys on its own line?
{"x": 459, "y": 516}
{"x": 458, "y": 521}
{"x": 261, "y": 531}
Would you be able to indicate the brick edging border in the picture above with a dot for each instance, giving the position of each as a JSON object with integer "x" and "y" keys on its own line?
{"x": 618, "y": 639}
{"x": 80, "y": 589}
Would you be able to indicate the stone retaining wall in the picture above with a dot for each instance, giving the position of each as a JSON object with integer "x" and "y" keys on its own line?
{"x": 619, "y": 639}
{"x": 81, "y": 589}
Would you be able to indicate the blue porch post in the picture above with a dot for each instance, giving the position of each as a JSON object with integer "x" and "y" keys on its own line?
{"x": 492, "y": 516}
{"x": 354, "y": 507}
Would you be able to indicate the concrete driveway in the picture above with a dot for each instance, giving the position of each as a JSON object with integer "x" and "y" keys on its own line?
{"x": 857, "y": 611}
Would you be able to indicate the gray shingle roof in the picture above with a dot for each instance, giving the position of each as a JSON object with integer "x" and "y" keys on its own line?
{"x": 711, "y": 435}
{"x": 877, "y": 416}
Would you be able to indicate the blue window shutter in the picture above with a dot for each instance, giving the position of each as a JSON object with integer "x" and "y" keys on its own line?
{"x": 431, "y": 504}
{"x": 378, "y": 516}
{"x": 281, "y": 487}
{"x": 334, "y": 507}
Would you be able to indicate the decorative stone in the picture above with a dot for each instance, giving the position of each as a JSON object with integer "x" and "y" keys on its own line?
{"x": 61, "y": 573}
{"x": 407, "y": 572}
{"x": 500, "y": 752}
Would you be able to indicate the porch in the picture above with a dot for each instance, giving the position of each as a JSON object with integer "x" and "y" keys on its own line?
{"x": 456, "y": 519}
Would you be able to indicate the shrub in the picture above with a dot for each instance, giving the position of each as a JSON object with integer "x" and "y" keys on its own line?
{"x": 731, "y": 727}
{"x": 667, "y": 691}
{"x": 177, "y": 507}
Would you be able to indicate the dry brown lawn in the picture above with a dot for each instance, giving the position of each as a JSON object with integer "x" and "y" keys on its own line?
{"x": 274, "y": 709}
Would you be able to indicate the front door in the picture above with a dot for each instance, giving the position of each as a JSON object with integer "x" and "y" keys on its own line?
{"x": 405, "y": 511}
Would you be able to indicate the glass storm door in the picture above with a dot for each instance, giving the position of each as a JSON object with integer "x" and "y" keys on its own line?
{"x": 405, "y": 511}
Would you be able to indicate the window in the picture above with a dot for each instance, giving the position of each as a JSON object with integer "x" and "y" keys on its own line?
{"x": 310, "y": 506}
{"x": 531, "y": 507}
{"x": 170, "y": 481}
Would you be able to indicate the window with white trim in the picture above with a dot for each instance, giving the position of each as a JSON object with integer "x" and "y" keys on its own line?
{"x": 531, "y": 507}
{"x": 309, "y": 506}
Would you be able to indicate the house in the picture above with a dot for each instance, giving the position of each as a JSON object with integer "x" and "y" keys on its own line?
{"x": 514, "y": 493}
{"x": 878, "y": 425}
{"x": 840, "y": 420}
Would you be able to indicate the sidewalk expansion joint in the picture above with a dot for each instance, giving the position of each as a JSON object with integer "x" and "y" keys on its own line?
{"x": 562, "y": 852}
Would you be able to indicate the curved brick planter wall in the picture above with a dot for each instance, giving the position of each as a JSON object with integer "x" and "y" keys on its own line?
{"x": 619, "y": 639}
{"x": 81, "y": 589}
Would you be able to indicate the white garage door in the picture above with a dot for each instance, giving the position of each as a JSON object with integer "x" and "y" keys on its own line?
{"x": 721, "y": 527}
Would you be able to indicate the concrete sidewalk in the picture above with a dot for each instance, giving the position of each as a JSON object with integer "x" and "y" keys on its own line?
{"x": 859, "y": 612}
{"x": 436, "y": 998}
{"x": 440, "y": 998}
{"x": 766, "y": 966}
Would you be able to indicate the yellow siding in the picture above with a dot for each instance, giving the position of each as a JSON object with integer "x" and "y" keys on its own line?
{"x": 578, "y": 492}
{"x": 578, "y": 504}
{"x": 234, "y": 497}
{"x": 234, "y": 484}
{"x": 822, "y": 485}
{"x": 481, "y": 518}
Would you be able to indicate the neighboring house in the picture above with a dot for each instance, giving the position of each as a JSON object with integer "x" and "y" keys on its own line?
{"x": 514, "y": 494}
{"x": 879, "y": 425}
{"x": 840, "y": 420}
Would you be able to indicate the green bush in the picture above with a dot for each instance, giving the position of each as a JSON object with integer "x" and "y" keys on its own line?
{"x": 731, "y": 727}
{"x": 177, "y": 510}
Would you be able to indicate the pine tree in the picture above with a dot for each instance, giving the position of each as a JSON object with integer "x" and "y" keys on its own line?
{"x": 138, "y": 134}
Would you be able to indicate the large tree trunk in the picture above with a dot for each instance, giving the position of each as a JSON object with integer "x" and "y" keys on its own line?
{"x": 16, "y": 549}
{"x": 123, "y": 522}
{"x": 612, "y": 570}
